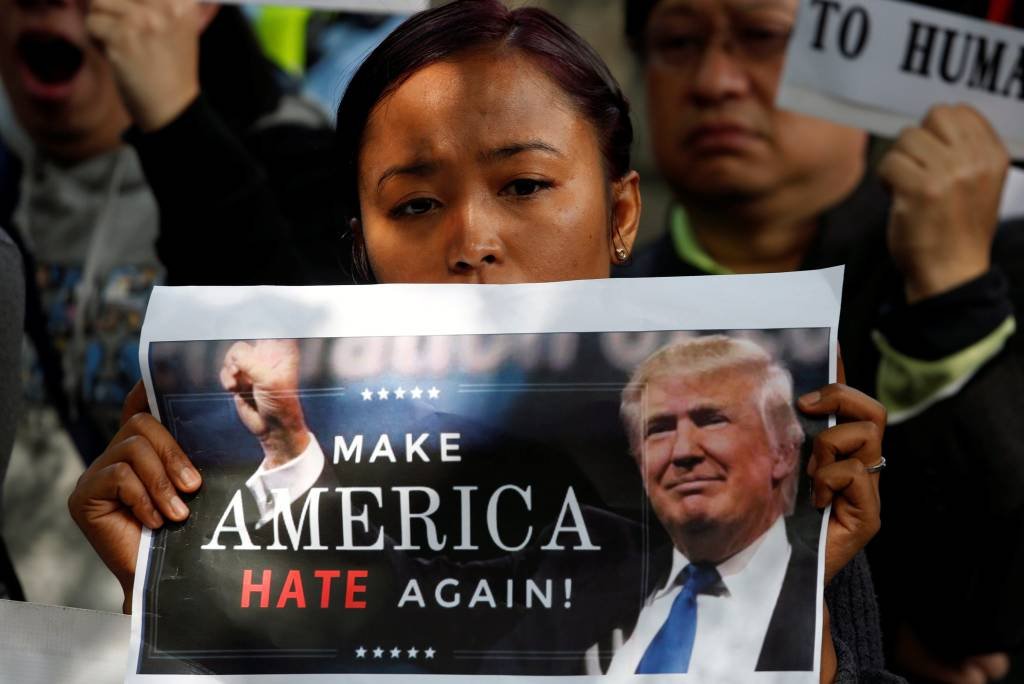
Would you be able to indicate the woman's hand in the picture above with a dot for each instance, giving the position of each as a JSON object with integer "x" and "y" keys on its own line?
{"x": 838, "y": 467}
{"x": 138, "y": 480}
{"x": 135, "y": 482}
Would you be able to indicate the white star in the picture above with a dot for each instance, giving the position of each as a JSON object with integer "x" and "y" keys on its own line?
{"x": 360, "y": 652}
{"x": 413, "y": 653}
{"x": 400, "y": 393}
{"x": 383, "y": 394}
{"x": 396, "y": 652}
{"x": 416, "y": 392}
{"x": 367, "y": 394}
{"x": 434, "y": 393}
{"x": 429, "y": 653}
{"x": 378, "y": 652}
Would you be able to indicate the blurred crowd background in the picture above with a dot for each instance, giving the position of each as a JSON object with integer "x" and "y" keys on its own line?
{"x": 942, "y": 354}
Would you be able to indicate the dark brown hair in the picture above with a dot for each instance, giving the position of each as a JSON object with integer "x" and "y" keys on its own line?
{"x": 465, "y": 25}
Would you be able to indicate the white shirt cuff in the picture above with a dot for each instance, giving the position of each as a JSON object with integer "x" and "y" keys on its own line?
{"x": 297, "y": 476}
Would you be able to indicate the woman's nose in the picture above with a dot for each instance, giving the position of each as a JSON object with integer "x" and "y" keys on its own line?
{"x": 474, "y": 242}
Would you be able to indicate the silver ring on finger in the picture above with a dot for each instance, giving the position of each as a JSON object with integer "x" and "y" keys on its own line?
{"x": 877, "y": 468}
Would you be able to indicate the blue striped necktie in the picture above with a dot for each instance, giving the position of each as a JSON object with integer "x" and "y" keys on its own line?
{"x": 672, "y": 646}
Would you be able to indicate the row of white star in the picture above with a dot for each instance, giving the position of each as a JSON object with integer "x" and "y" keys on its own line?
{"x": 396, "y": 653}
{"x": 383, "y": 394}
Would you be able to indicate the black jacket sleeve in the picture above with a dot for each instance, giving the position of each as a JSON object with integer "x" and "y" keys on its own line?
{"x": 244, "y": 210}
{"x": 951, "y": 552}
{"x": 856, "y": 632}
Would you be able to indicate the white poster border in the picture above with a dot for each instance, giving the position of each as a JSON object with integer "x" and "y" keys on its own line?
{"x": 804, "y": 299}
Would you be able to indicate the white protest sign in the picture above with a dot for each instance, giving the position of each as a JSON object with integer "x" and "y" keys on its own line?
{"x": 372, "y": 6}
{"x": 44, "y": 644}
{"x": 881, "y": 64}
{"x": 500, "y": 525}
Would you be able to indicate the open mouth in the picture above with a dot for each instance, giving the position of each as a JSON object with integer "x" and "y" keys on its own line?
{"x": 50, "y": 59}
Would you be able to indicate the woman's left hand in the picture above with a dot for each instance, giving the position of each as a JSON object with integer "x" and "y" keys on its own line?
{"x": 838, "y": 466}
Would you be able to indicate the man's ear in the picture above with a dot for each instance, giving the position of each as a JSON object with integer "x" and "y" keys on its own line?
{"x": 207, "y": 12}
{"x": 786, "y": 460}
{"x": 626, "y": 207}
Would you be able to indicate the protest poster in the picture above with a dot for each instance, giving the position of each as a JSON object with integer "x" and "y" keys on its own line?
{"x": 368, "y": 6}
{"x": 439, "y": 481}
{"x": 882, "y": 64}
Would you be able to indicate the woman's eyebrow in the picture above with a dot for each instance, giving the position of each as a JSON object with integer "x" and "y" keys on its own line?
{"x": 419, "y": 168}
{"x": 512, "y": 149}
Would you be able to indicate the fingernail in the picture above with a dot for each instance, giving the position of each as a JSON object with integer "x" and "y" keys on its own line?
{"x": 179, "y": 507}
{"x": 810, "y": 399}
{"x": 189, "y": 477}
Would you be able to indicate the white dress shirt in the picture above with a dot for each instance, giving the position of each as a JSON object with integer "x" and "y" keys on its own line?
{"x": 297, "y": 476}
{"x": 731, "y": 627}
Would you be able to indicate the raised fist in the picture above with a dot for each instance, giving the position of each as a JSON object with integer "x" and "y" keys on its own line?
{"x": 264, "y": 378}
{"x": 946, "y": 177}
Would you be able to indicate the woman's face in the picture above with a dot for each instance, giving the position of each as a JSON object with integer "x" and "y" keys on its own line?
{"x": 480, "y": 170}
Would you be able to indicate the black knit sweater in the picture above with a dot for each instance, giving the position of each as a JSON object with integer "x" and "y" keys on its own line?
{"x": 856, "y": 634}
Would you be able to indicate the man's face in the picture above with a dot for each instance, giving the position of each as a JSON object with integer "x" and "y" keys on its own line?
{"x": 707, "y": 458}
{"x": 713, "y": 68}
{"x": 59, "y": 83}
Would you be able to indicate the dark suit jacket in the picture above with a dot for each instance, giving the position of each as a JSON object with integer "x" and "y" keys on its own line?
{"x": 788, "y": 644}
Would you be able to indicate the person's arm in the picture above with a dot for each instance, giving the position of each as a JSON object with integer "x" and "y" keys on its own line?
{"x": 950, "y": 373}
{"x": 931, "y": 349}
{"x": 218, "y": 206}
{"x": 954, "y": 314}
{"x": 840, "y": 459}
{"x": 852, "y": 623}
{"x": 213, "y": 192}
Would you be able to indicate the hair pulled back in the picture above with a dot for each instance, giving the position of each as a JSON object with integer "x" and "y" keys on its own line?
{"x": 465, "y": 25}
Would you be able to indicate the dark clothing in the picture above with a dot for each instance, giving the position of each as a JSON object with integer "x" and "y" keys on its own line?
{"x": 853, "y": 610}
{"x": 789, "y": 642}
{"x": 256, "y": 210}
{"x": 12, "y": 312}
{"x": 243, "y": 183}
{"x": 951, "y": 550}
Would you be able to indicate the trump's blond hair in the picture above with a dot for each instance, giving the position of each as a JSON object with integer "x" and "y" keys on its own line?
{"x": 700, "y": 357}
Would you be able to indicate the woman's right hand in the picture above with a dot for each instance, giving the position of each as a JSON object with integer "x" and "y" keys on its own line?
{"x": 135, "y": 482}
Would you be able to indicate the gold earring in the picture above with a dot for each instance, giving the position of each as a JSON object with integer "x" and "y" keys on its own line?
{"x": 621, "y": 253}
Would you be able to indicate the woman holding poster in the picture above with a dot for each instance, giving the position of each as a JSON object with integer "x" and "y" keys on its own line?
{"x": 484, "y": 145}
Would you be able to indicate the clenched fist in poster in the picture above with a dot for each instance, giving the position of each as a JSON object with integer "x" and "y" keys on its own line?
{"x": 264, "y": 378}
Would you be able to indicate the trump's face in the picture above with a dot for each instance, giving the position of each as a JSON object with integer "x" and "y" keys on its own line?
{"x": 708, "y": 461}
